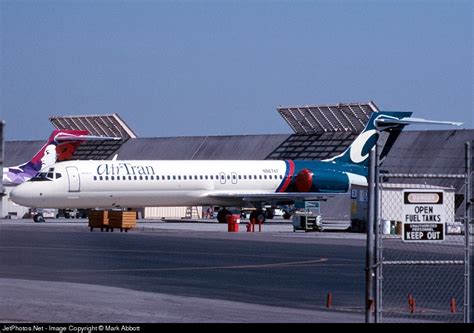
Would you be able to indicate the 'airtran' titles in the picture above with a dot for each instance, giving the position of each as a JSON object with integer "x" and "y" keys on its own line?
{"x": 124, "y": 169}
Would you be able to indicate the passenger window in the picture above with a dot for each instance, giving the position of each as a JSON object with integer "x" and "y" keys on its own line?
{"x": 184, "y": 177}
{"x": 281, "y": 176}
{"x": 245, "y": 176}
{"x": 129, "y": 177}
{"x": 195, "y": 177}
{"x": 95, "y": 177}
{"x": 174, "y": 177}
{"x": 101, "y": 178}
{"x": 124, "y": 178}
{"x": 265, "y": 176}
{"x": 112, "y": 178}
{"x": 200, "y": 177}
{"x": 234, "y": 177}
{"x": 169, "y": 177}
{"x": 207, "y": 177}
{"x": 135, "y": 177}
{"x": 212, "y": 177}
{"x": 106, "y": 177}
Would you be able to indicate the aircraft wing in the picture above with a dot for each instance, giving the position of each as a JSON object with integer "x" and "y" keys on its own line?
{"x": 274, "y": 197}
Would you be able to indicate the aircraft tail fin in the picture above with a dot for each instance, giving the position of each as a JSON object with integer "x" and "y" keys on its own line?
{"x": 60, "y": 146}
{"x": 380, "y": 123}
{"x": 358, "y": 152}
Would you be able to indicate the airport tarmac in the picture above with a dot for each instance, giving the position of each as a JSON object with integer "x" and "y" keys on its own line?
{"x": 60, "y": 271}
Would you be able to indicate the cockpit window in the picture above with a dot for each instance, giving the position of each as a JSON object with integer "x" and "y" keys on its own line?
{"x": 46, "y": 176}
{"x": 42, "y": 176}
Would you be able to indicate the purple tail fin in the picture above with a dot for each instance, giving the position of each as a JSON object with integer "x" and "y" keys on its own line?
{"x": 53, "y": 150}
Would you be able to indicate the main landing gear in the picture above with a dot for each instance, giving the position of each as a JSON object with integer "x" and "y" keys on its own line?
{"x": 258, "y": 215}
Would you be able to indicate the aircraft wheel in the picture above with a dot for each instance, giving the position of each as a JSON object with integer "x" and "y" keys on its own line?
{"x": 269, "y": 214}
{"x": 38, "y": 218}
{"x": 258, "y": 216}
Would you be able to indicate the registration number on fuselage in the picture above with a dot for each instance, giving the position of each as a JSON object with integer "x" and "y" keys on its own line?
{"x": 270, "y": 170}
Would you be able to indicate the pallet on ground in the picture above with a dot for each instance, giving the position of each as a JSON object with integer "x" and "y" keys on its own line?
{"x": 122, "y": 220}
{"x": 98, "y": 219}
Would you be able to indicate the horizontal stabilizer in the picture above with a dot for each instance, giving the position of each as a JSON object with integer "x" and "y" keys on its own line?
{"x": 63, "y": 137}
{"x": 382, "y": 123}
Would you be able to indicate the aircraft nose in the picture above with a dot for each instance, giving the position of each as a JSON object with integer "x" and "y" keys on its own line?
{"x": 20, "y": 195}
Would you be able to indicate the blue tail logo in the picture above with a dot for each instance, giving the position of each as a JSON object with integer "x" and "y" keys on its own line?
{"x": 358, "y": 152}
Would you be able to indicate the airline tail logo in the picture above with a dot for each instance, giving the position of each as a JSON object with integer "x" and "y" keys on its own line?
{"x": 52, "y": 151}
{"x": 357, "y": 152}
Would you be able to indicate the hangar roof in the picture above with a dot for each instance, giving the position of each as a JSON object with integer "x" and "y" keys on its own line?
{"x": 342, "y": 117}
{"x": 173, "y": 148}
{"x": 234, "y": 147}
{"x": 429, "y": 152}
{"x": 108, "y": 125}
{"x": 99, "y": 125}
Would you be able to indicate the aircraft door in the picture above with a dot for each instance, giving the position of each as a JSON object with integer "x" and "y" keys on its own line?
{"x": 74, "y": 180}
{"x": 222, "y": 178}
{"x": 234, "y": 178}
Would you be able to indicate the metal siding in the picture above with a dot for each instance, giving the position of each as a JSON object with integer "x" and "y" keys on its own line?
{"x": 18, "y": 152}
{"x": 238, "y": 147}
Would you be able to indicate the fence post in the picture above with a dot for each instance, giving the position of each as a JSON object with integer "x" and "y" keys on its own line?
{"x": 467, "y": 231}
{"x": 378, "y": 242}
{"x": 369, "y": 258}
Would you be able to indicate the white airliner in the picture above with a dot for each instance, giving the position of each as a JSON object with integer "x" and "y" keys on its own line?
{"x": 133, "y": 184}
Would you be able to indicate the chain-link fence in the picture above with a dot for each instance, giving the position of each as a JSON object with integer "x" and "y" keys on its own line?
{"x": 422, "y": 249}
{"x": 421, "y": 252}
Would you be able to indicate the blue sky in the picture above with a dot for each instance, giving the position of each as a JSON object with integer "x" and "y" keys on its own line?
{"x": 222, "y": 67}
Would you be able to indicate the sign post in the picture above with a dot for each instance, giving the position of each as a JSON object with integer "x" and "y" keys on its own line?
{"x": 424, "y": 216}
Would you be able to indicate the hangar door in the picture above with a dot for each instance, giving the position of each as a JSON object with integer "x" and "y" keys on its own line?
{"x": 74, "y": 181}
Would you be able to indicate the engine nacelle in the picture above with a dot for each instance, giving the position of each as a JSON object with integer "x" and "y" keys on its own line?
{"x": 321, "y": 181}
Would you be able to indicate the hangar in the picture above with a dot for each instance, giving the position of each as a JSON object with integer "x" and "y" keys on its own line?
{"x": 320, "y": 131}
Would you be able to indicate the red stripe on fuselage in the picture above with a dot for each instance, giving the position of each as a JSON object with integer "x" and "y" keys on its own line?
{"x": 289, "y": 175}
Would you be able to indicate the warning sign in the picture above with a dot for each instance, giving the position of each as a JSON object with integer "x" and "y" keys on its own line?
{"x": 424, "y": 216}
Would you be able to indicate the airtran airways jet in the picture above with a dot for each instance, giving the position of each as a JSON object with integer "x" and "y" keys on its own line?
{"x": 132, "y": 184}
